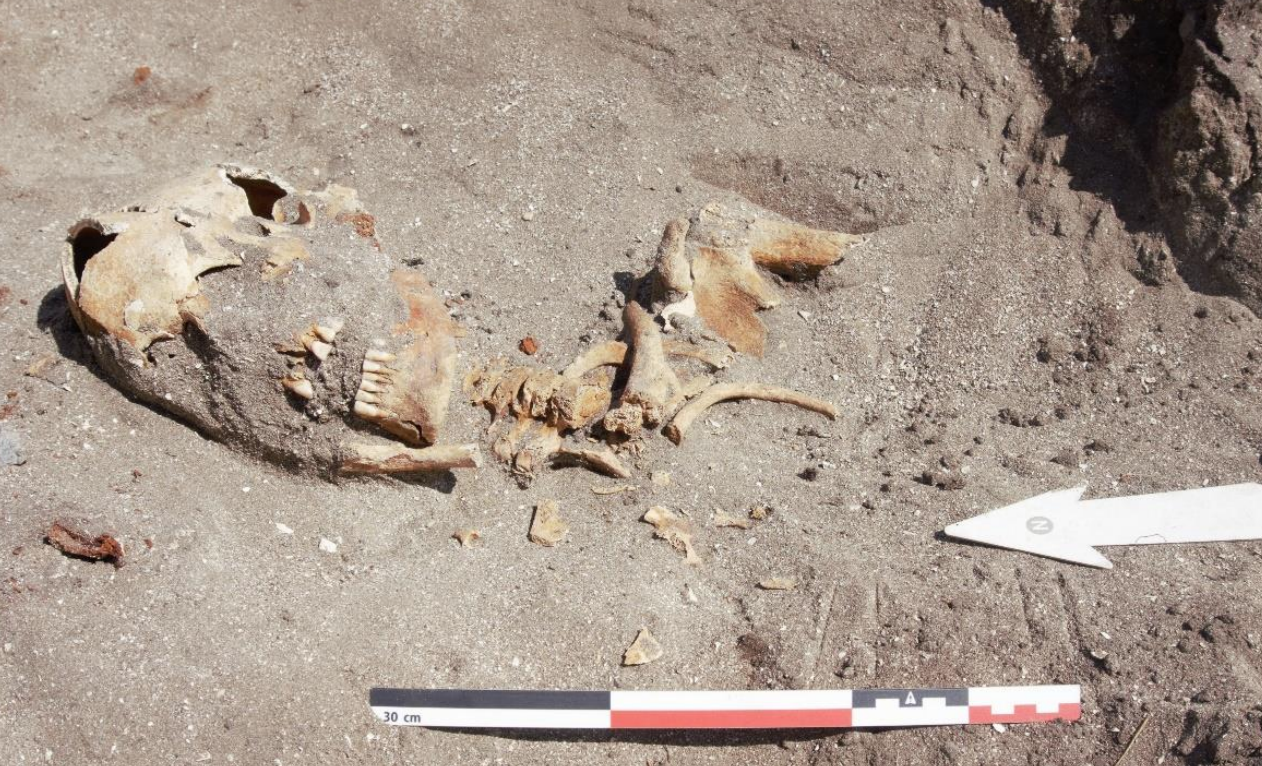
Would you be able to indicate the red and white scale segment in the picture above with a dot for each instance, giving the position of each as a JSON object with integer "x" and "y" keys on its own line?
{"x": 824, "y": 709}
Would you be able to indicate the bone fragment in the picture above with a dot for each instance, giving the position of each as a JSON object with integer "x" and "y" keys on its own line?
{"x": 729, "y": 292}
{"x": 672, "y": 276}
{"x": 480, "y": 382}
{"x": 651, "y": 385}
{"x": 616, "y": 489}
{"x": 506, "y": 447}
{"x": 537, "y": 449}
{"x": 674, "y": 530}
{"x": 716, "y": 359}
{"x": 547, "y": 528}
{"x": 536, "y": 393}
{"x": 797, "y": 252}
{"x": 598, "y": 460}
{"x": 643, "y": 650}
{"x": 728, "y": 391}
{"x": 280, "y": 261}
{"x": 778, "y": 583}
{"x": 609, "y": 353}
{"x": 504, "y": 396}
{"x": 687, "y": 307}
{"x": 467, "y": 537}
{"x": 725, "y": 519}
{"x": 576, "y": 404}
{"x": 42, "y": 368}
{"x": 392, "y": 458}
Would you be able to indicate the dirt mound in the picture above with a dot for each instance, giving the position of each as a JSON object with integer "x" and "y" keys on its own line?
{"x": 1161, "y": 106}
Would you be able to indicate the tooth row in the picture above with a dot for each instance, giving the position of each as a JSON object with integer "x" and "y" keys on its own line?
{"x": 371, "y": 385}
{"x": 374, "y": 382}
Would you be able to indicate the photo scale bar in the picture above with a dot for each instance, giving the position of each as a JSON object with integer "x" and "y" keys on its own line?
{"x": 815, "y": 709}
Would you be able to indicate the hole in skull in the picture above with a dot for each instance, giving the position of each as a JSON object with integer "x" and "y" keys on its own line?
{"x": 261, "y": 194}
{"x": 87, "y": 242}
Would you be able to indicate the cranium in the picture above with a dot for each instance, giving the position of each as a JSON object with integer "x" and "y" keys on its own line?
{"x": 269, "y": 319}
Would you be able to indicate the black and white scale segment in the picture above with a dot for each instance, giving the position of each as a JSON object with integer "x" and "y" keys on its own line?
{"x": 821, "y": 709}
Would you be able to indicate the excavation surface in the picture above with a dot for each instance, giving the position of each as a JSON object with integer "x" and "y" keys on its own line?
{"x": 1001, "y": 334}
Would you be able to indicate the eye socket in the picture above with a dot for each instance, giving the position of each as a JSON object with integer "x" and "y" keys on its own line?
{"x": 261, "y": 194}
{"x": 89, "y": 240}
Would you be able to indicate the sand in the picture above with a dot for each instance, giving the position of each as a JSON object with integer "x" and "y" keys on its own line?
{"x": 1008, "y": 330}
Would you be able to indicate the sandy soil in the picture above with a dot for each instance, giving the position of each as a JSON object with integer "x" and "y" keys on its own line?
{"x": 999, "y": 336}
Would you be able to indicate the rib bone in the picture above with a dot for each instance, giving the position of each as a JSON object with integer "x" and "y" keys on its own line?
{"x": 728, "y": 391}
{"x": 609, "y": 353}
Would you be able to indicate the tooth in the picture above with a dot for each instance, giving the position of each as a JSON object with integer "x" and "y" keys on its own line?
{"x": 381, "y": 369}
{"x": 300, "y": 387}
{"x": 319, "y": 349}
{"x": 369, "y": 411}
{"x": 371, "y": 386}
{"x": 329, "y": 330}
{"x": 374, "y": 355}
{"x": 369, "y": 398}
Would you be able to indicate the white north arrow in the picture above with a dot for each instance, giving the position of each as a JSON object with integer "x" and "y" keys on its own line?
{"x": 1062, "y": 526}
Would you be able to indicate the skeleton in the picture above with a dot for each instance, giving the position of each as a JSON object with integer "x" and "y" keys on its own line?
{"x": 704, "y": 289}
{"x": 269, "y": 318}
{"x": 238, "y": 304}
